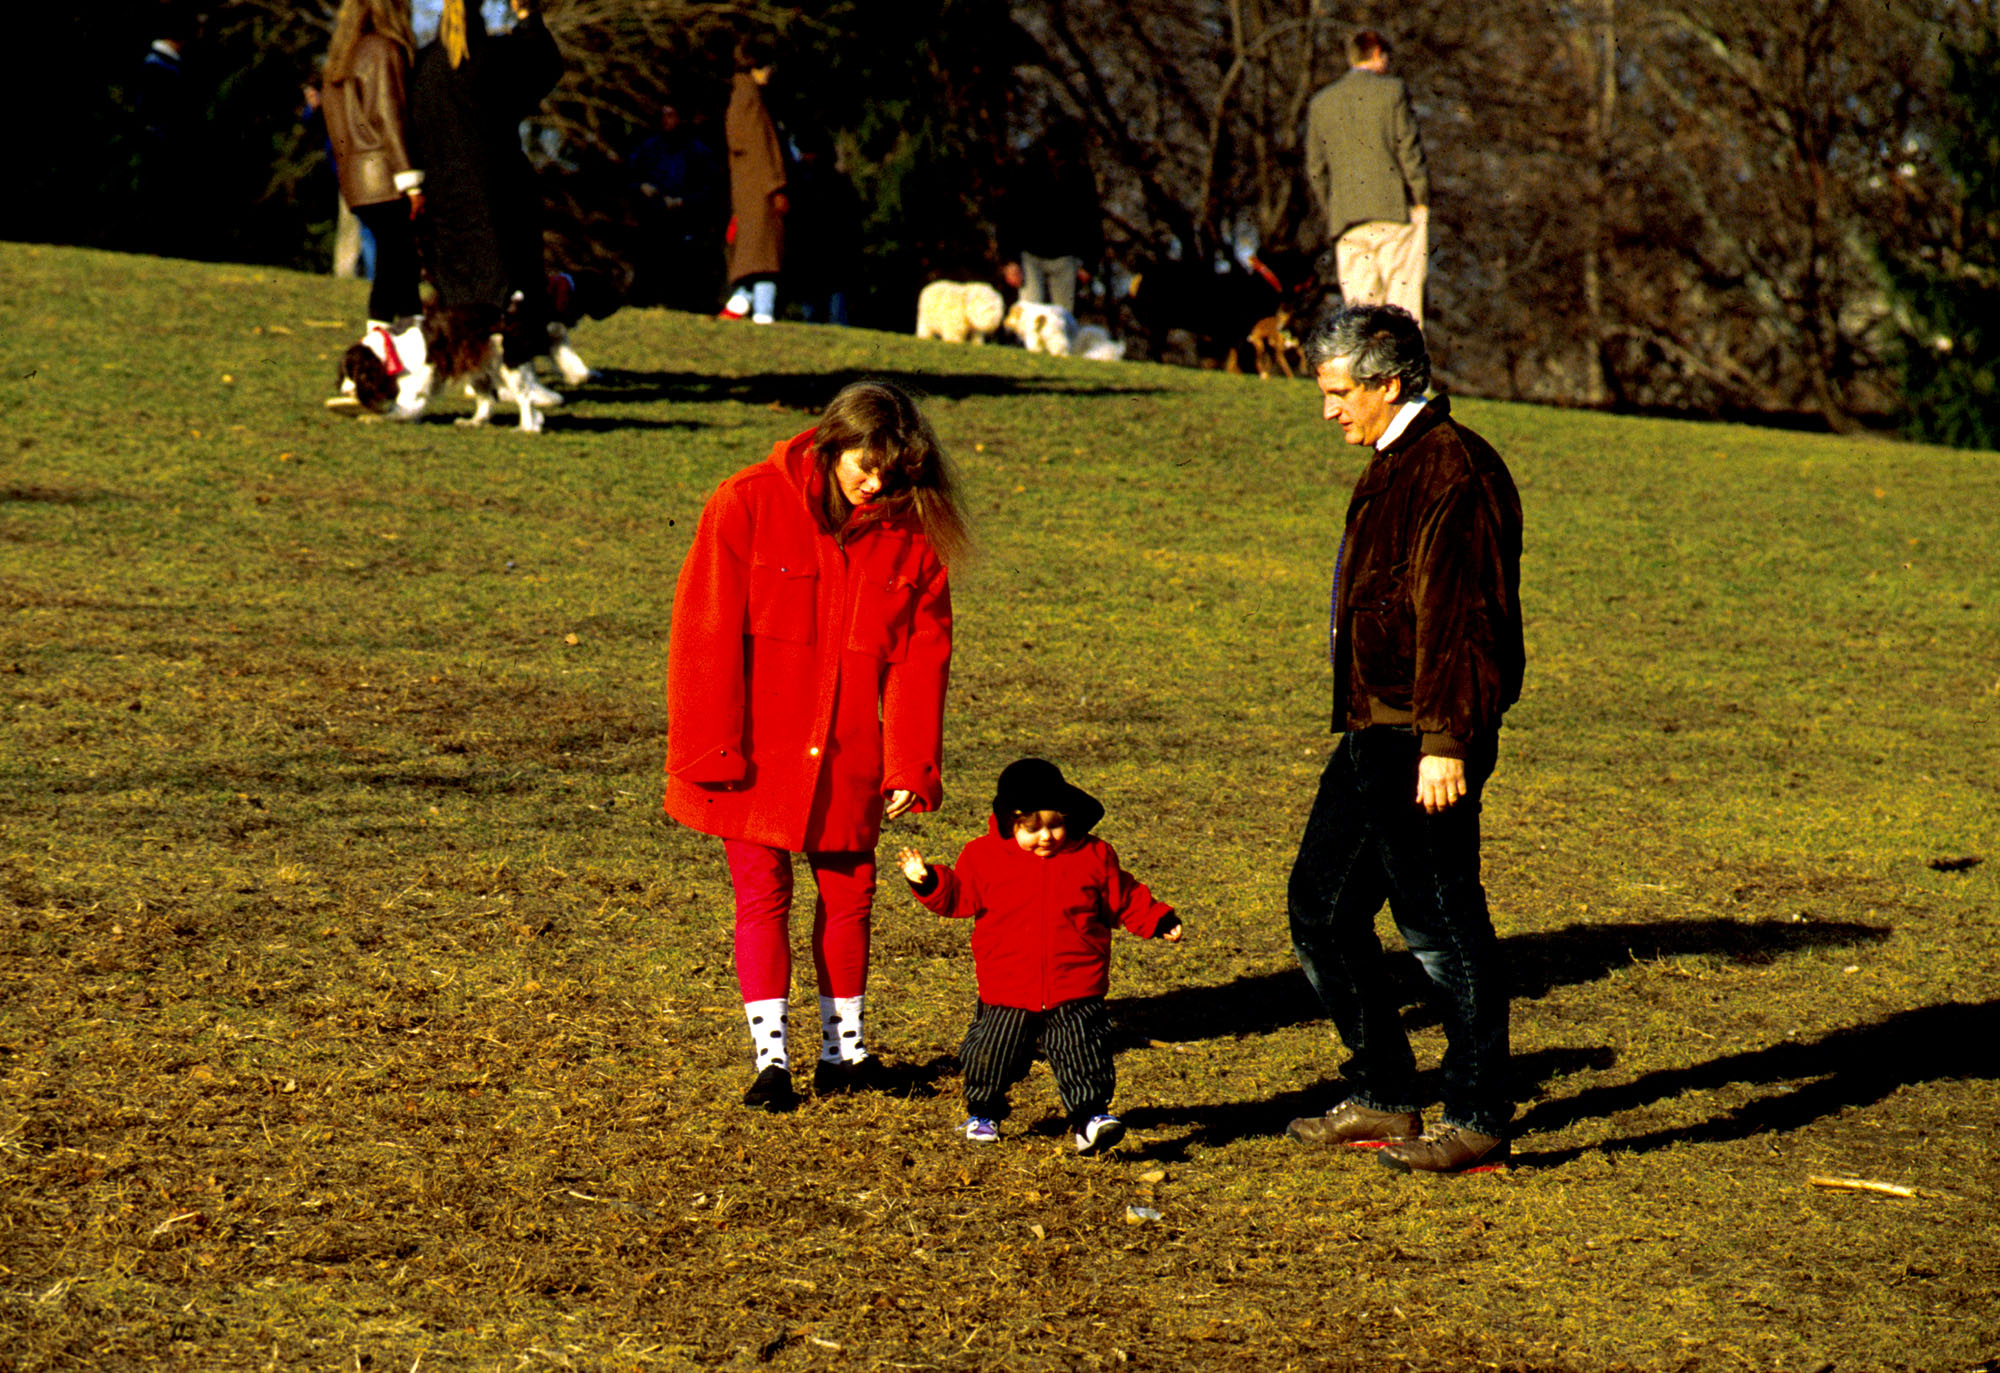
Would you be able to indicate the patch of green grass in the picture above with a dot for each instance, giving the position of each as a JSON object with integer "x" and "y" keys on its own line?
{"x": 358, "y": 1007}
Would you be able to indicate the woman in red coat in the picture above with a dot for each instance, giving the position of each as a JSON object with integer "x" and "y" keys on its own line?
{"x": 806, "y": 675}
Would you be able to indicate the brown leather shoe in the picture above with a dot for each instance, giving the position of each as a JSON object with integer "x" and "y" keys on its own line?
{"x": 1352, "y": 1123}
{"x": 1452, "y": 1149}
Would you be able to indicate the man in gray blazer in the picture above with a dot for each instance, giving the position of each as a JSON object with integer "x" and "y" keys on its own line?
{"x": 1366, "y": 165}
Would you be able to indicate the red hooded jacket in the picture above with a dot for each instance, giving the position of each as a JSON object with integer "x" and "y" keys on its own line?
{"x": 1041, "y": 932}
{"x": 805, "y": 679}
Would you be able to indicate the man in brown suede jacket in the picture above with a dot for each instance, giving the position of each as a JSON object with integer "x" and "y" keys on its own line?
{"x": 1427, "y": 656}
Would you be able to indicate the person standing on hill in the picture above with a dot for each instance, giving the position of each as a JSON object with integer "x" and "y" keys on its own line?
{"x": 757, "y": 195}
{"x": 1427, "y": 656}
{"x": 1051, "y": 230}
{"x": 468, "y": 96}
{"x": 1365, "y": 162}
{"x": 363, "y": 102}
{"x": 172, "y": 218}
{"x": 678, "y": 179}
{"x": 806, "y": 673}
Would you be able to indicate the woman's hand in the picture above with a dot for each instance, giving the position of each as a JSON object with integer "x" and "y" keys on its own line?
{"x": 899, "y": 801}
{"x": 913, "y": 864}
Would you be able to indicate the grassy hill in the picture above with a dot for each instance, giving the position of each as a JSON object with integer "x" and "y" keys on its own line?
{"x": 358, "y": 1008}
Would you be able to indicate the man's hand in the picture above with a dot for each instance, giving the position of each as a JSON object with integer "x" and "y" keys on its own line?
{"x": 1440, "y": 782}
{"x": 899, "y": 801}
{"x": 781, "y": 204}
{"x": 416, "y": 199}
{"x": 1012, "y": 275}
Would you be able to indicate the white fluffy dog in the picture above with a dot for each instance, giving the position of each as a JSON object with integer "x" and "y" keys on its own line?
{"x": 958, "y": 311}
{"x": 1042, "y": 328}
{"x": 1094, "y": 341}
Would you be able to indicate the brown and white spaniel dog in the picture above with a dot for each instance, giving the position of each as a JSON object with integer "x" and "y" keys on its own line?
{"x": 397, "y": 373}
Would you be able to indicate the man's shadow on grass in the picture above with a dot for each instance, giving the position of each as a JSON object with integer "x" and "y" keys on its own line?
{"x": 1537, "y": 964}
{"x": 1224, "y": 1122}
{"x": 810, "y": 391}
{"x": 1857, "y": 1066}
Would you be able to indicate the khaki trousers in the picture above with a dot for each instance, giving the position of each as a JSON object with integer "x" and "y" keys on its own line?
{"x": 1383, "y": 263}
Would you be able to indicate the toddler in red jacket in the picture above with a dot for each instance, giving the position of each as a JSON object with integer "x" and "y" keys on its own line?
{"x": 1043, "y": 893}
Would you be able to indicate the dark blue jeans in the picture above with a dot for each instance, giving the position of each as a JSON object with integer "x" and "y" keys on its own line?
{"x": 1367, "y": 841}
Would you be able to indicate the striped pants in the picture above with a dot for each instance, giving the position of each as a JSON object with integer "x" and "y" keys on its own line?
{"x": 1075, "y": 1037}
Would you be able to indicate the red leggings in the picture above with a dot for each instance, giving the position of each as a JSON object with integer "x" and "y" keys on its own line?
{"x": 762, "y": 877}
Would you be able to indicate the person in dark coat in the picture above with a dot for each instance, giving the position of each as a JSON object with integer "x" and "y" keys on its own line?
{"x": 677, "y": 177}
{"x": 824, "y": 256}
{"x": 168, "y": 166}
{"x": 468, "y": 95}
{"x": 1427, "y": 654}
{"x": 757, "y": 197}
{"x": 1051, "y": 230}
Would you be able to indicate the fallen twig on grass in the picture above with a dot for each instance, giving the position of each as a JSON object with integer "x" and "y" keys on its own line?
{"x": 1893, "y": 1189}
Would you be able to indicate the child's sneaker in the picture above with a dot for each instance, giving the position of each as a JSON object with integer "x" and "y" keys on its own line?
{"x": 1099, "y": 1134}
{"x": 980, "y": 1130}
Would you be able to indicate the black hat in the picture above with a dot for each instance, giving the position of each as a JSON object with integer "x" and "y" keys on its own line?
{"x": 1032, "y": 784}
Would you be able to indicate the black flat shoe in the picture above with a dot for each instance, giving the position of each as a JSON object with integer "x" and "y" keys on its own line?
{"x": 772, "y": 1091}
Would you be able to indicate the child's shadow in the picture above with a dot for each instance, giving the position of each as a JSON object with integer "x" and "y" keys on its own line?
{"x": 915, "y": 1081}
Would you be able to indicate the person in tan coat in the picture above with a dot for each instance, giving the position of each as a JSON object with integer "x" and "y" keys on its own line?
{"x": 1365, "y": 162}
{"x": 367, "y": 70}
{"x": 757, "y": 196}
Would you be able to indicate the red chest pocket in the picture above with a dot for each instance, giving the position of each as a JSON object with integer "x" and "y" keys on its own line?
{"x": 783, "y": 601}
{"x": 885, "y": 611}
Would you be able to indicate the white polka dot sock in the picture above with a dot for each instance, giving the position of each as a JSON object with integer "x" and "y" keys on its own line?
{"x": 767, "y": 1032}
{"x": 840, "y": 1029}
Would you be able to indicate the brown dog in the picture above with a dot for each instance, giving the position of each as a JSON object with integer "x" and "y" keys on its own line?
{"x": 1271, "y": 339}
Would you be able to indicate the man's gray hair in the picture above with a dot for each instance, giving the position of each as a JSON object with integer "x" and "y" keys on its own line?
{"x": 1379, "y": 342}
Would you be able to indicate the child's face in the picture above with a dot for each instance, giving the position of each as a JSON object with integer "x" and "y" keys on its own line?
{"x": 1041, "y": 832}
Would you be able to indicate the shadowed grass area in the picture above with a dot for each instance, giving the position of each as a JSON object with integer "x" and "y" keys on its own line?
{"x": 359, "y": 1008}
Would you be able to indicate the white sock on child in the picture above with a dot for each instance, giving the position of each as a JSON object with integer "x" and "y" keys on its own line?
{"x": 767, "y": 1032}
{"x": 840, "y": 1029}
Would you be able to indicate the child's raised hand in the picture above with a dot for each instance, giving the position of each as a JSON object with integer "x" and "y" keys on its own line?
{"x": 913, "y": 864}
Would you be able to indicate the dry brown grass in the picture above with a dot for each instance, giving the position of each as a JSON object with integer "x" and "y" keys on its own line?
{"x": 358, "y": 1009}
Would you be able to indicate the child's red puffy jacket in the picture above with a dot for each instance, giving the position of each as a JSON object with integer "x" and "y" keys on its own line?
{"x": 1041, "y": 931}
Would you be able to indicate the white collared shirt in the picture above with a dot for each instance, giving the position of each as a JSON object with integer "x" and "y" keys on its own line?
{"x": 1404, "y": 415}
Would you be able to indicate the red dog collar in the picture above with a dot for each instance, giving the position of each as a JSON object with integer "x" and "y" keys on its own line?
{"x": 391, "y": 359}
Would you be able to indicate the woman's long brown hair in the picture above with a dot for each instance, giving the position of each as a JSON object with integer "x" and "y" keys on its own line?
{"x": 883, "y": 420}
{"x": 390, "y": 18}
